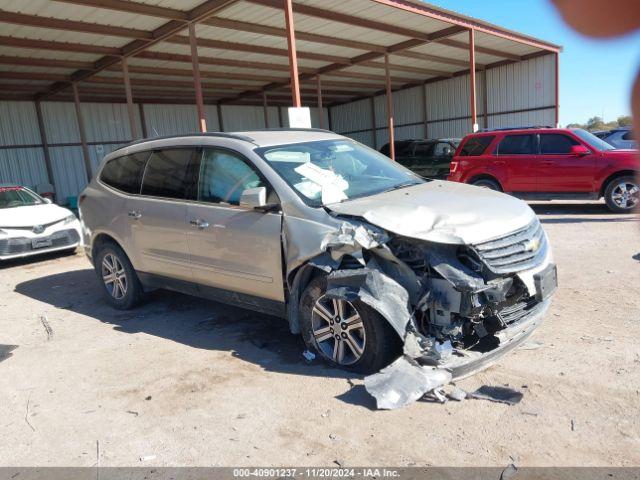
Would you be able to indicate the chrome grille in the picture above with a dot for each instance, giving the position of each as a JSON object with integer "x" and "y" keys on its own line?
{"x": 517, "y": 251}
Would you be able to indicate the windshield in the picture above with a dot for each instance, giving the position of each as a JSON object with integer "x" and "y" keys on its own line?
{"x": 11, "y": 197}
{"x": 592, "y": 140}
{"x": 331, "y": 171}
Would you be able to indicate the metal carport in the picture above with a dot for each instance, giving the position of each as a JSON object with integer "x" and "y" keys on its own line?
{"x": 225, "y": 56}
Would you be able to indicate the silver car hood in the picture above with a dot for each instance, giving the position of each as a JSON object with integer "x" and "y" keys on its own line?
{"x": 439, "y": 211}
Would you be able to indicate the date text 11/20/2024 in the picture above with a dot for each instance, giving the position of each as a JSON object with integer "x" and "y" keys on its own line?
{"x": 315, "y": 472}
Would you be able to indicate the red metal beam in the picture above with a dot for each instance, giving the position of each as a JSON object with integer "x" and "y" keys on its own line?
{"x": 57, "y": 46}
{"x": 132, "y": 7}
{"x": 202, "y": 120}
{"x": 45, "y": 144}
{"x": 293, "y": 59}
{"x": 392, "y": 148}
{"x": 82, "y": 132}
{"x": 319, "y": 101}
{"x": 437, "y": 14}
{"x": 42, "y": 62}
{"x": 472, "y": 80}
{"x": 127, "y": 90}
{"x": 165, "y": 31}
{"x": 265, "y": 109}
{"x": 557, "y": 88}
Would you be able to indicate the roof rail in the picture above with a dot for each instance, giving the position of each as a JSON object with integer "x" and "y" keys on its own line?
{"x": 500, "y": 129}
{"x": 196, "y": 134}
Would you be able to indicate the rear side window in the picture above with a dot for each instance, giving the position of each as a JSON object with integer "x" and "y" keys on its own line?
{"x": 554, "y": 143}
{"x": 424, "y": 150}
{"x": 628, "y": 135}
{"x": 475, "y": 146}
{"x": 516, "y": 145}
{"x": 125, "y": 173}
{"x": 172, "y": 173}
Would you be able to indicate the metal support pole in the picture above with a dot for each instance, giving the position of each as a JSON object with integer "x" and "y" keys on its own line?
{"x": 280, "y": 121}
{"x": 472, "y": 79}
{"x": 423, "y": 90}
{"x": 220, "y": 121}
{"x": 143, "y": 121}
{"x": 265, "y": 108}
{"x": 485, "y": 99}
{"x": 202, "y": 121}
{"x": 81, "y": 130}
{"x": 293, "y": 57}
{"x": 392, "y": 147}
{"x": 45, "y": 144}
{"x": 129, "y": 95}
{"x": 320, "y": 108}
{"x": 374, "y": 123}
{"x": 557, "y": 89}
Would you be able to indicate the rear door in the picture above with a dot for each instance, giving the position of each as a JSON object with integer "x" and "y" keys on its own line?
{"x": 231, "y": 247}
{"x": 561, "y": 171}
{"x": 515, "y": 155}
{"x": 421, "y": 159}
{"x": 158, "y": 217}
{"x": 441, "y": 160}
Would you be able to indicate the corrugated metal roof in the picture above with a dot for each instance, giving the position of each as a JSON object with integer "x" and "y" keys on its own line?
{"x": 332, "y": 34}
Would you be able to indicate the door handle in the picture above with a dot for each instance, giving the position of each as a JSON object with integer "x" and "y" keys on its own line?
{"x": 201, "y": 224}
{"x": 135, "y": 214}
{"x": 548, "y": 163}
{"x": 499, "y": 163}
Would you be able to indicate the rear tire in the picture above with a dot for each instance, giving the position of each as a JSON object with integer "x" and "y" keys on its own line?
{"x": 487, "y": 183}
{"x": 118, "y": 279}
{"x": 622, "y": 194}
{"x": 367, "y": 348}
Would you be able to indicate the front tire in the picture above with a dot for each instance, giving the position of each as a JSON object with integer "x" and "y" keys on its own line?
{"x": 622, "y": 194}
{"x": 487, "y": 183}
{"x": 120, "y": 285}
{"x": 347, "y": 334}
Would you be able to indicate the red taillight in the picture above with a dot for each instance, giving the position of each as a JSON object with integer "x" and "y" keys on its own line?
{"x": 453, "y": 166}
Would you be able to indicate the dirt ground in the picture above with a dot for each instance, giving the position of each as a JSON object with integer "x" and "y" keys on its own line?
{"x": 183, "y": 381}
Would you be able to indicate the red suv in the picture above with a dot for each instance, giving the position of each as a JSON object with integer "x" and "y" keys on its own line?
{"x": 549, "y": 163}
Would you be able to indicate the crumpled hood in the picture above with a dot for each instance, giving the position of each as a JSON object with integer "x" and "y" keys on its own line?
{"x": 444, "y": 212}
{"x": 31, "y": 215}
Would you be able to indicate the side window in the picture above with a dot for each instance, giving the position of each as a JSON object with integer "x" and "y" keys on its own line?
{"x": 125, "y": 173}
{"x": 556, "y": 144}
{"x": 171, "y": 173}
{"x": 424, "y": 150}
{"x": 475, "y": 146}
{"x": 443, "y": 149}
{"x": 628, "y": 135}
{"x": 224, "y": 176}
{"x": 516, "y": 145}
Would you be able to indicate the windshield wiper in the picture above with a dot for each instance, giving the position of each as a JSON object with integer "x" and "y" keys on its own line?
{"x": 399, "y": 186}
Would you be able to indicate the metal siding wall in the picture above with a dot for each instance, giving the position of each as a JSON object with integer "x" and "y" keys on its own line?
{"x": 522, "y": 85}
{"x": 60, "y": 122}
{"x": 68, "y": 171}
{"x": 362, "y": 137}
{"x": 352, "y": 116}
{"x": 536, "y": 117}
{"x": 170, "y": 119}
{"x": 19, "y": 126}
{"x": 24, "y": 166}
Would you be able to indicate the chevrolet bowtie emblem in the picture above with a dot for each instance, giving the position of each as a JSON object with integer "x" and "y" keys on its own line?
{"x": 532, "y": 245}
{"x": 38, "y": 229}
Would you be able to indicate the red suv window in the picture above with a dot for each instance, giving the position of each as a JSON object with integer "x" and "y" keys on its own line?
{"x": 516, "y": 145}
{"x": 556, "y": 143}
{"x": 475, "y": 146}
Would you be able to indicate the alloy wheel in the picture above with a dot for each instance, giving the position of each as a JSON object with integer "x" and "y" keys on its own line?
{"x": 338, "y": 330}
{"x": 626, "y": 195}
{"x": 114, "y": 276}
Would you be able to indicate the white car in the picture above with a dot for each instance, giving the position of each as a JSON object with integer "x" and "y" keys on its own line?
{"x": 30, "y": 224}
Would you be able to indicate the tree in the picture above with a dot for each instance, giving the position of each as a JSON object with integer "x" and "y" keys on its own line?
{"x": 595, "y": 123}
{"x": 624, "y": 121}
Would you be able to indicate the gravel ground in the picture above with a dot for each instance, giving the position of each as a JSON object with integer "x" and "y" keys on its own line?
{"x": 183, "y": 381}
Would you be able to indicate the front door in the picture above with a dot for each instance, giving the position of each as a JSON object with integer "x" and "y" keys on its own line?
{"x": 231, "y": 247}
{"x": 561, "y": 171}
{"x": 158, "y": 217}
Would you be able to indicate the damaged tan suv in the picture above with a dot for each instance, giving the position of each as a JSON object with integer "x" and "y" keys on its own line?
{"x": 369, "y": 262}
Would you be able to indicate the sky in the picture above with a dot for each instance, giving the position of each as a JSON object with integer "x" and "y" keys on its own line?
{"x": 595, "y": 75}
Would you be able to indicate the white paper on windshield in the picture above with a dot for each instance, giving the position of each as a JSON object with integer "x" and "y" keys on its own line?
{"x": 309, "y": 189}
{"x": 285, "y": 156}
{"x": 332, "y": 185}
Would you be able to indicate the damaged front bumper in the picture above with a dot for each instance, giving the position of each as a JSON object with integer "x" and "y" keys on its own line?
{"x": 467, "y": 362}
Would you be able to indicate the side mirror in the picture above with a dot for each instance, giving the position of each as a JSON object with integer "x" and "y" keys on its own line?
{"x": 253, "y": 197}
{"x": 447, "y": 152}
{"x": 579, "y": 150}
{"x": 47, "y": 200}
